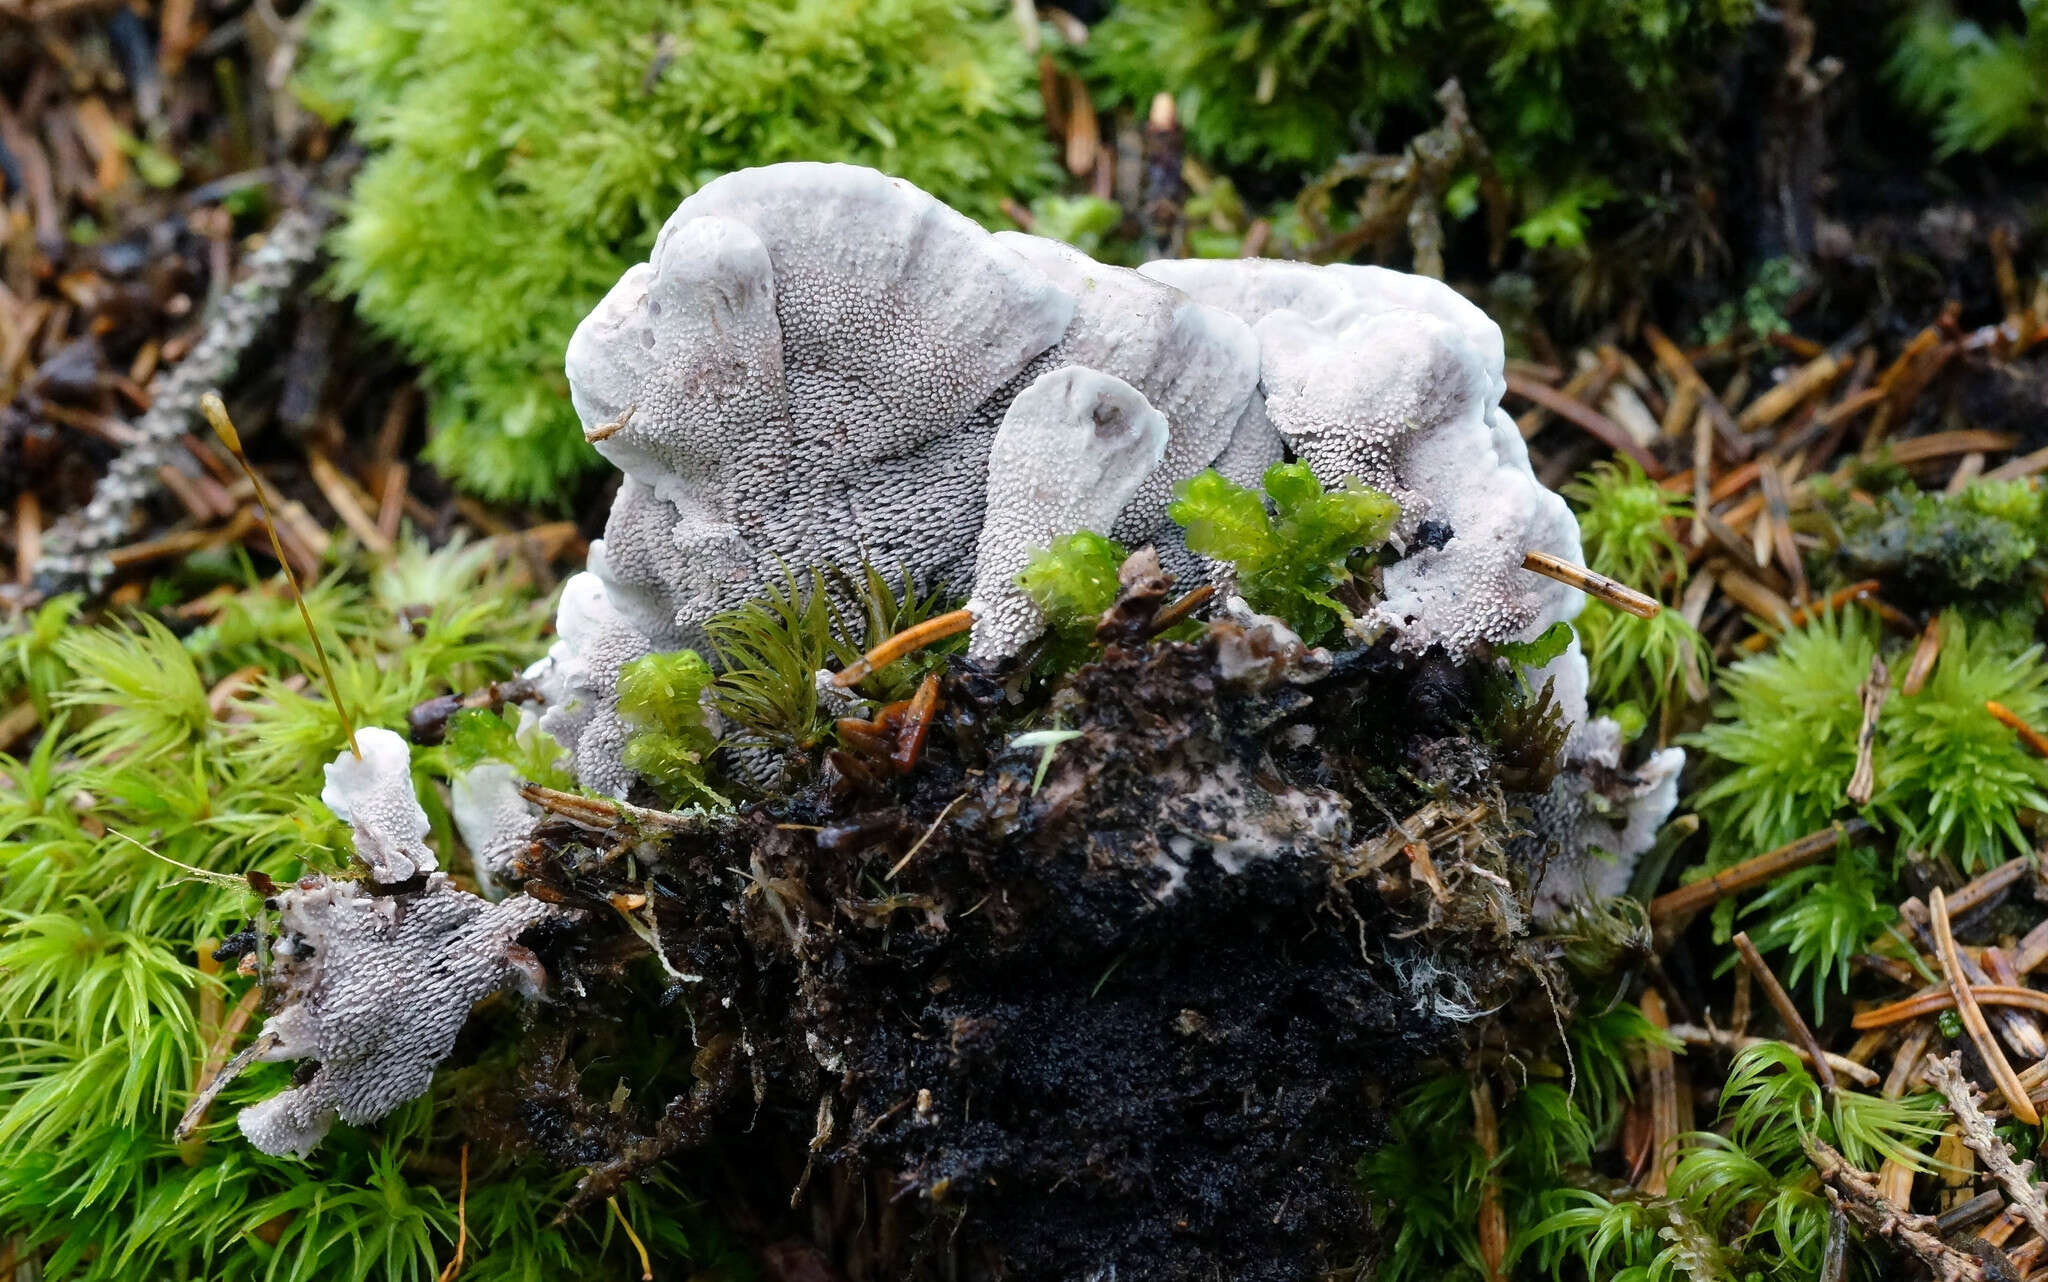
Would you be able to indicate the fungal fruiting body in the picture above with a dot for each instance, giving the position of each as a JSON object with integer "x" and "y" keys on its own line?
{"x": 373, "y": 794}
{"x": 375, "y": 982}
{"x": 820, "y": 364}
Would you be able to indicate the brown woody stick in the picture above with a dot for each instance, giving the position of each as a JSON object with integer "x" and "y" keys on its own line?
{"x": 1687, "y": 900}
{"x": 1781, "y": 1001}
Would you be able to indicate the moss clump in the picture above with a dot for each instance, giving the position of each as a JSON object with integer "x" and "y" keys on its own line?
{"x": 1950, "y": 780}
{"x": 527, "y": 151}
{"x": 1290, "y": 562}
{"x": 1628, "y": 524}
{"x": 1985, "y": 541}
{"x": 661, "y": 700}
{"x": 1984, "y": 89}
{"x": 1074, "y": 580}
{"x": 1293, "y": 86}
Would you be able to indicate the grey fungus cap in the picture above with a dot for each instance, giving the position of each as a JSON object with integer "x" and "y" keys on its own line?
{"x": 376, "y": 989}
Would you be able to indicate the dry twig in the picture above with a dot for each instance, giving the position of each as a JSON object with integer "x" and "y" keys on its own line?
{"x": 1673, "y": 909}
{"x": 1788, "y": 1012}
{"x": 1857, "y": 1194}
{"x": 2015, "y": 1177}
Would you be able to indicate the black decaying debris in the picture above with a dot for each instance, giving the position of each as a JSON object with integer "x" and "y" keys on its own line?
{"x": 1140, "y": 1020}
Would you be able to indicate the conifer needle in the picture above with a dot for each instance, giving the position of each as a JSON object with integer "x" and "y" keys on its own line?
{"x": 216, "y": 412}
{"x": 937, "y": 628}
{"x": 1592, "y": 583}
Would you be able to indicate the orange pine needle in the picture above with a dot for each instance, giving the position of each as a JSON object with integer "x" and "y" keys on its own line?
{"x": 461, "y": 1220}
{"x": 908, "y": 641}
{"x": 2031, "y": 737}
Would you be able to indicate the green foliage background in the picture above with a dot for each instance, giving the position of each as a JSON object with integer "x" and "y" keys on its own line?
{"x": 101, "y": 1032}
{"x": 1560, "y": 89}
{"x": 526, "y": 151}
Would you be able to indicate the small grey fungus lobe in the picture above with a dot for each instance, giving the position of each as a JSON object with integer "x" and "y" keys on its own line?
{"x": 579, "y": 681}
{"x": 374, "y": 797}
{"x": 494, "y": 820}
{"x": 376, "y": 989}
{"x": 1073, "y": 449}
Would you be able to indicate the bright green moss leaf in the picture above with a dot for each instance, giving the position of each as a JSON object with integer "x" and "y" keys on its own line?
{"x": 1074, "y": 580}
{"x": 1289, "y": 562}
{"x": 660, "y": 699}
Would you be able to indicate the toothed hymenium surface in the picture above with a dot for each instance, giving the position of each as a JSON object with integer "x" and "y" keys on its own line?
{"x": 1127, "y": 994}
{"x": 821, "y": 364}
{"x": 372, "y": 982}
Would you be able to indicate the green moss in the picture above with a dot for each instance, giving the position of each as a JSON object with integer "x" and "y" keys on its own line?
{"x": 1950, "y": 780}
{"x": 1290, "y": 561}
{"x": 1953, "y": 778}
{"x": 101, "y": 1027}
{"x": 1647, "y": 662}
{"x": 476, "y": 735}
{"x": 1557, "y": 89}
{"x": 1986, "y": 541}
{"x": 670, "y": 740}
{"x": 525, "y": 152}
{"x": 1074, "y": 580}
{"x": 1983, "y": 89}
{"x": 1821, "y": 916}
{"x": 1783, "y": 740}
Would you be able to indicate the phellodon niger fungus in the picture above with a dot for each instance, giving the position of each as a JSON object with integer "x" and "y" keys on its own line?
{"x": 1123, "y": 999}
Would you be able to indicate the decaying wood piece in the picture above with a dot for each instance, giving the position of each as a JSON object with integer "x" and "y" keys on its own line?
{"x": 74, "y": 551}
{"x": 1859, "y": 1197}
{"x": 2014, "y": 1176}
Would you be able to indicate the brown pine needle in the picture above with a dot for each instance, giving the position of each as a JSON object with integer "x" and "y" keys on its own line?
{"x": 1181, "y": 609}
{"x": 1683, "y": 902}
{"x": 646, "y": 1266}
{"x": 1493, "y": 1220}
{"x": 908, "y": 641}
{"x": 2031, "y": 737}
{"x": 1593, "y": 584}
{"x": 1788, "y": 1014}
{"x": 1799, "y": 617}
{"x": 1663, "y": 1097}
{"x": 1973, "y": 1017}
{"x": 1924, "y": 654}
{"x": 1874, "y": 690}
{"x": 1924, "y": 1004}
{"x": 216, "y": 412}
{"x": 461, "y": 1220}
